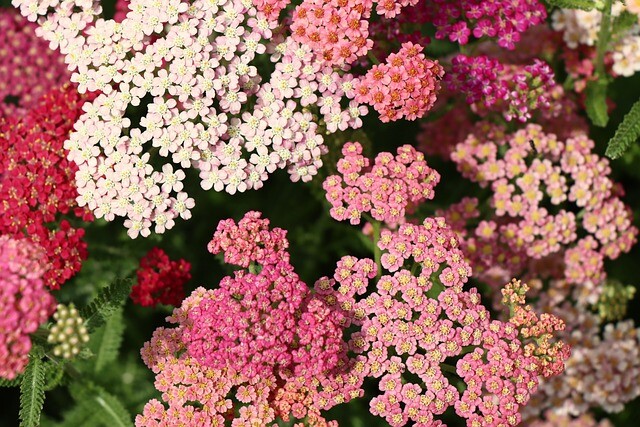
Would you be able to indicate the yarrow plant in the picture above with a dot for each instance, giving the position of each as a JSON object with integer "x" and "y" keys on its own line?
{"x": 506, "y": 298}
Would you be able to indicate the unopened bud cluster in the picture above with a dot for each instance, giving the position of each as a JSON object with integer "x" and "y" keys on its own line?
{"x": 69, "y": 332}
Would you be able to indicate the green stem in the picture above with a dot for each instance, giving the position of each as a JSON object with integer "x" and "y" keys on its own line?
{"x": 603, "y": 37}
{"x": 448, "y": 368}
{"x": 372, "y": 58}
{"x": 377, "y": 252}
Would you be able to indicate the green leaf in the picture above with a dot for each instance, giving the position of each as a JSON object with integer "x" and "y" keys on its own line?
{"x": 11, "y": 383}
{"x": 627, "y": 133}
{"x": 573, "y": 4}
{"x": 32, "y": 390}
{"x": 105, "y": 341}
{"x": 53, "y": 375}
{"x": 624, "y": 22}
{"x": 597, "y": 103}
{"x": 107, "y": 408}
{"x": 107, "y": 302}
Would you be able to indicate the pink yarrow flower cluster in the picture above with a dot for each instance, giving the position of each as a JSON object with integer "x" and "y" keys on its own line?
{"x": 25, "y": 302}
{"x": 515, "y": 91}
{"x": 405, "y": 86}
{"x": 550, "y": 198}
{"x": 263, "y": 337}
{"x": 210, "y": 110}
{"x": 387, "y": 190}
{"x": 420, "y": 326}
{"x": 28, "y": 68}
{"x": 458, "y": 20}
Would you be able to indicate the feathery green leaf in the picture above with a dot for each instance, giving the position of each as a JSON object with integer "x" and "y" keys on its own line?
{"x": 627, "y": 133}
{"x": 32, "y": 390}
{"x": 597, "y": 103}
{"x": 573, "y": 4}
{"x": 108, "y": 300}
{"x": 105, "y": 341}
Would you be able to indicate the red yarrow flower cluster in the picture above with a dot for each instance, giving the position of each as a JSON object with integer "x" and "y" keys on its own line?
{"x": 28, "y": 68}
{"x": 458, "y": 20}
{"x": 405, "y": 86}
{"x": 37, "y": 183}
{"x": 25, "y": 302}
{"x": 160, "y": 280}
{"x": 387, "y": 190}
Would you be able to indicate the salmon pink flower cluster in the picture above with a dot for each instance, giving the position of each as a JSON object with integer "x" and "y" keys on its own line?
{"x": 25, "y": 302}
{"x": 387, "y": 190}
{"x": 405, "y": 86}
{"x": 160, "y": 279}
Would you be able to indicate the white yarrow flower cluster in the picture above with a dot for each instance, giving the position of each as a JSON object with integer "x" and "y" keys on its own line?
{"x": 193, "y": 66}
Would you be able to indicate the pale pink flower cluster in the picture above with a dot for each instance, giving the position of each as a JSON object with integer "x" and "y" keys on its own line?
{"x": 25, "y": 302}
{"x": 552, "y": 419}
{"x": 550, "y": 198}
{"x": 388, "y": 189}
{"x": 209, "y": 107}
{"x": 262, "y": 346}
{"x": 405, "y": 86}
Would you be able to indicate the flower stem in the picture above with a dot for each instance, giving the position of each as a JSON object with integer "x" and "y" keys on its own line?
{"x": 603, "y": 37}
{"x": 377, "y": 253}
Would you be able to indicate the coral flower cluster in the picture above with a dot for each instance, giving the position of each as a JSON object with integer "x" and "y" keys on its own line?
{"x": 405, "y": 86}
{"x": 25, "y": 302}
{"x": 386, "y": 190}
{"x": 37, "y": 185}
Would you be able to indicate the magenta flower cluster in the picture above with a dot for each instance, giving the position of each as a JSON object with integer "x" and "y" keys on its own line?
{"x": 263, "y": 337}
{"x": 515, "y": 91}
{"x": 458, "y": 20}
{"x": 386, "y": 190}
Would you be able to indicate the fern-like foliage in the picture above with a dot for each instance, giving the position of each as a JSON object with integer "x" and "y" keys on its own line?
{"x": 11, "y": 383}
{"x": 627, "y": 133}
{"x": 107, "y": 302}
{"x": 93, "y": 400}
{"x": 597, "y": 102}
{"x": 573, "y": 4}
{"x": 32, "y": 389}
{"x": 624, "y": 22}
{"x": 106, "y": 340}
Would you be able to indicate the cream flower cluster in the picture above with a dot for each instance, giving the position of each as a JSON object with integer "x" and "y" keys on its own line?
{"x": 191, "y": 70}
{"x": 579, "y": 27}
